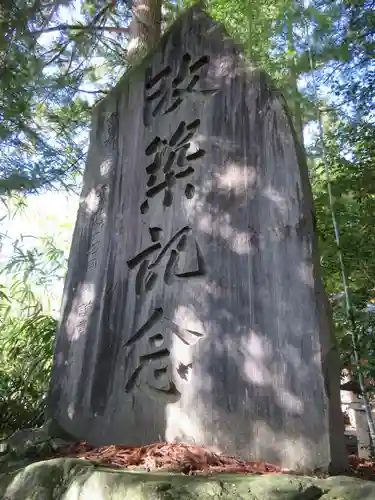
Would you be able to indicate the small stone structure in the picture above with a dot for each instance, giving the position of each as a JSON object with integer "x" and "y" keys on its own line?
{"x": 193, "y": 308}
{"x": 356, "y": 429}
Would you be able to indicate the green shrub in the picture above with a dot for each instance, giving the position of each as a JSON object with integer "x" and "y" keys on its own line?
{"x": 26, "y": 347}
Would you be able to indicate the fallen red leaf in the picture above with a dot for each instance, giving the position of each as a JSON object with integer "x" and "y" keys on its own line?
{"x": 187, "y": 459}
{"x": 177, "y": 457}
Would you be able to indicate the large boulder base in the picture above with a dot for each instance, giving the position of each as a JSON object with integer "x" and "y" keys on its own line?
{"x": 75, "y": 479}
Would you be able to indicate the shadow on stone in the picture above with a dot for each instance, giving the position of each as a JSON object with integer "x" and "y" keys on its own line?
{"x": 193, "y": 308}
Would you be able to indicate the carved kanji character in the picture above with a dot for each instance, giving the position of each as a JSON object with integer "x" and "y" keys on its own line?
{"x": 184, "y": 259}
{"x": 172, "y": 90}
{"x": 159, "y": 379}
{"x": 169, "y": 155}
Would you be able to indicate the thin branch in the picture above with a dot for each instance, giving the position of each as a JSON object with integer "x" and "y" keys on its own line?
{"x": 94, "y": 92}
{"x": 57, "y": 55}
{"x": 78, "y": 27}
{"x": 101, "y": 14}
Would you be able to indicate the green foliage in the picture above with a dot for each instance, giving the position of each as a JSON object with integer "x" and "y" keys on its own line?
{"x": 25, "y": 361}
{"x": 27, "y": 330}
{"x": 365, "y": 340}
{"x": 44, "y": 99}
{"x": 350, "y": 157}
{"x": 353, "y": 188}
{"x": 36, "y": 148}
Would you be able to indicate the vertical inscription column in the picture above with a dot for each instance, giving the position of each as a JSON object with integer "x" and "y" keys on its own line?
{"x": 92, "y": 306}
{"x": 180, "y": 256}
{"x": 98, "y": 199}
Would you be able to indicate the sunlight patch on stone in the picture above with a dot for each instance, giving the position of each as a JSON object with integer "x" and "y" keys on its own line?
{"x": 81, "y": 309}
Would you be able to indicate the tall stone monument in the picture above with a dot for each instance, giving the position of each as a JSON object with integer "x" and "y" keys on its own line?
{"x": 193, "y": 310}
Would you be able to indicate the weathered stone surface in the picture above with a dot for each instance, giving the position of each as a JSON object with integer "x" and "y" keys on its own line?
{"x": 29, "y": 445}
{"x": 193, "y": 309}
{"x": 71, "y": 479}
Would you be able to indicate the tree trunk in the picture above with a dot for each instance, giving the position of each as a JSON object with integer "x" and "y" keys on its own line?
{"x": 145, "y": 26}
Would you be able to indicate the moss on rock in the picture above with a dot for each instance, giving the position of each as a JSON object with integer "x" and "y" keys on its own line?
{"x": 74, "y": 479}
